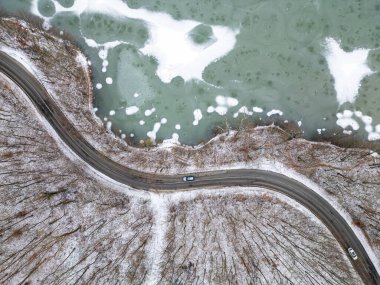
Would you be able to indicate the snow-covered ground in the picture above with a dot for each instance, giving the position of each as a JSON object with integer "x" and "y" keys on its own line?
{"x": 61, "y": 223}
{"x": 265, "y": 148}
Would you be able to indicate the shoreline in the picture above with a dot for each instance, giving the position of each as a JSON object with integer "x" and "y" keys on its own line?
{"x": 244, "y": 147}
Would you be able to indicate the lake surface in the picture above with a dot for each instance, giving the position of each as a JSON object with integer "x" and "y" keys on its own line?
{"x": 176, "y": 69}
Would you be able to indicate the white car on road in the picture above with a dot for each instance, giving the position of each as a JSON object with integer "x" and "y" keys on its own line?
{"x": 188, "y": 178}
{"x": 352, "y": 253}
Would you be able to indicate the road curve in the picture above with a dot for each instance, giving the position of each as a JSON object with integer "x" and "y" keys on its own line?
{"x": 140, "y": 180}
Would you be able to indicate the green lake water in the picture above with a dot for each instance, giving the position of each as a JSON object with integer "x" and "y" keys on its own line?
{"x": 145, "y": 57}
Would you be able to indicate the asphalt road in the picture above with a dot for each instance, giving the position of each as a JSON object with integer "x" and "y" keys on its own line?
{"x": 162, "y": 183}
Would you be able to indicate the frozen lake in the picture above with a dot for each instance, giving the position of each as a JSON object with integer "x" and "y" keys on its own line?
{"x": 176, "y": 69}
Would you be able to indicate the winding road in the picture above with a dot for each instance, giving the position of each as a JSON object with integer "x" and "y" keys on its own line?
{"x": 321, "y": 208}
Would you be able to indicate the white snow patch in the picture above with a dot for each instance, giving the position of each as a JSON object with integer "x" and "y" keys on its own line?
{"x": 274, "y": 112}
{"x": 82, "y": 60}
{"x": 226, "y": 101}
{"x": 103, "y": 49}
{"x": 321, "y": 130}
{"x": 159, "y": 204}
{"x": 197, "y": 116}
{"x": 109, "y": 80}
{"x": 243, "y": 110}
{"x": 345, "y": 120}
{"x": 131, "y": 110}
{"x": 223, "y": 104}
{"x": 153, "y": 133}
{"x": 347, "y": 68}
{"x": 149, "y": 112}
{"x": 169, "y": 38}
{"x": 372, "y": 136}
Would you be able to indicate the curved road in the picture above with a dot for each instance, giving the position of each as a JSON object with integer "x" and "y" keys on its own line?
{"x": 139, "y": 180}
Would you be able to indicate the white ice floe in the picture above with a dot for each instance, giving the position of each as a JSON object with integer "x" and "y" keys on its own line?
{"x": 197, "y": 116}
{"x": 164, "y": 121}
{"x": 109, "y": 80}
{"x": 221, "y": 110}
{"x": 131, "y": 110}
{"x": 348, "y": 118}
{"x": 345, "y": 120}
{"x": 112, "y": 112}
{"x": 169, "y": 38}
{"x": 141, "y": 122}
{"x": 99, "y": 85}
{"x": 257, "y": 109}
{"x": 223, "y": 104}
{"x": 103, "y": 49}
{"x": 153, "y": 133}
{"x": 243, "y": 110}
{"x": 275, "y": 112}
{"x": 149, "y": 112}
{"x": 226, "y": 101}
{"x": 321, "y": 130}
{"x": 177, "y": 126}
{"x": 347, "y": 68}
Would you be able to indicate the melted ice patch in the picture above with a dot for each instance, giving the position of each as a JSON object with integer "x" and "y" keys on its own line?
{"x": 347, "y": 68}
{"x": 169, "y": 38}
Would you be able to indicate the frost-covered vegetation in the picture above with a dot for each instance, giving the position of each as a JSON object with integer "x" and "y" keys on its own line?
{"x": 248, "y": 238}
{"x": 60, "y": 225}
